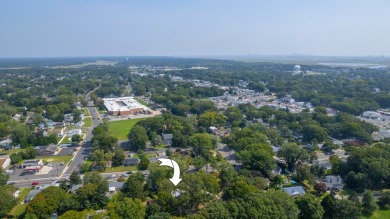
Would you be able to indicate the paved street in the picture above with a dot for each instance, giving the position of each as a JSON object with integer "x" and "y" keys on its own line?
{"x": 227, "y": 153}
{"x": 83, "y": 152}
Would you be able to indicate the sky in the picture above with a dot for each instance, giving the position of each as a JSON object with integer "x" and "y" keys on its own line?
{"x": 65, "y": 28}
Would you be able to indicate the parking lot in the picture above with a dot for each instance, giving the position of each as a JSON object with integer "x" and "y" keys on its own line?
{"x": 46, "y": 172}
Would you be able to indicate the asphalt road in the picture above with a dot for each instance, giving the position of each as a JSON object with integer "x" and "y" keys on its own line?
{"x": 83, "y": 153}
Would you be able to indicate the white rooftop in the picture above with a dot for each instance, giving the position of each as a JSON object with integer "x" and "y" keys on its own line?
{"x": 122, "y": 104}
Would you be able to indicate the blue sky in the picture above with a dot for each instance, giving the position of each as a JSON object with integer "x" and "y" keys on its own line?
{"x": 43, "y": 28}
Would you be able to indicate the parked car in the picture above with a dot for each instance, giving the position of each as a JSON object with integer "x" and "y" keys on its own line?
{"x": 11, "y": 183}
{"x": 130, "y": 172}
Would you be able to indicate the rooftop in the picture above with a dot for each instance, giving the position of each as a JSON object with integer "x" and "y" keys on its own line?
{"x": 122, "y": 104}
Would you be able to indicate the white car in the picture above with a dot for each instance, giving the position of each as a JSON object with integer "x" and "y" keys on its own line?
{"x": 9, "y": 171}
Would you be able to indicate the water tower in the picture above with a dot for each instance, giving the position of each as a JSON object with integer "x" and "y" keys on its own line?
{"x": 297, "y": 69}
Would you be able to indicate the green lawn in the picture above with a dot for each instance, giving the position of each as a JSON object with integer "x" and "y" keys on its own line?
{"x": 54, "y": 158}
{"x": 120, "y": 169}
{"x": 380, "y": 214}
{"x": 19, "y": 209}
{"x": 86, "y": 112}
{"x": 87, "y": 122}
{"x": 142, "y": 102}
{"x": 9, "y": 152}
{"x": 120, "y": 129}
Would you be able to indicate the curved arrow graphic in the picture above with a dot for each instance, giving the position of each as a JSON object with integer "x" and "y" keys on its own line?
{"x": 176, "y": 169}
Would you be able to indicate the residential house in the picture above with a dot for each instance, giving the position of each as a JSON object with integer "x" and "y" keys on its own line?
{"x": 50, "y": 123}
{"x": 75, "y": 188}
{"x": 131, "y": 162}
{"x": 5, "y": 161}
{"x": 41, "y": 125}
{"x": 294, "y": 191}
{"x": 29, "y": 121}
{"x": 213, "y": 130}
{"x": 6, "y": 143}
{"x": 49, "y": 150}
{"x": 74, "y": 132}
{"x": 68, "y": 118}
{"x": 113, "y": 187}
{"x": 371, "y": 115}
{"x": 333, "y": 183}
{"x": 167, "y": 138}
{"x": 287, "y": 100}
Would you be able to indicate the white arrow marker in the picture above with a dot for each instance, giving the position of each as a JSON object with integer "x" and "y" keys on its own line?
{"x": 176, "y": 169}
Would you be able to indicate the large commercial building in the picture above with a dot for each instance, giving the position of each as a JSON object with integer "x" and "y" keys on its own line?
{"x": 123, "y": 106}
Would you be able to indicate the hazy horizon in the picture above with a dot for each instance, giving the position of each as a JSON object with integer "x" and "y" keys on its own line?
{"x": 333, "y": 28}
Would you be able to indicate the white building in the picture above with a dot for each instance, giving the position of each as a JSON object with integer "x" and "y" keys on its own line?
{"x": 371, "y": 115}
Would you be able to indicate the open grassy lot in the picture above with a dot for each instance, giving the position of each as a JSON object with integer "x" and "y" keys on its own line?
{"x": 142, "y": 102}
{"x": 120, "y": 129}
{"x": 380, "y": 214}
{"x": 87, "y": 122}
{"x": 19, "y": 209}
{"x": 86, "y": 112}
{"x": 120, "y": 169}
{"x": 9, "y": 152}
{"x": 54, "y": 158}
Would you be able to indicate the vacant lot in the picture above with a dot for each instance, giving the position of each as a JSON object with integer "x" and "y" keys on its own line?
{"x": 120, "y": 129}
{"x": 380, "y": 214}
{"x": 87, "y": 122}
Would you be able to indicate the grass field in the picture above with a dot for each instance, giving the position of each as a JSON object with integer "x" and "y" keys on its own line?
{"x": 19, "y": 209}
{"x": 380, "y": 214}
{"x": 120, "y": 129}
{"x": 9, "y": 152}
{"x": 120, "y": 169}
{"x": 142, "y": 102}
{"x": 87, "y": 122}
{"x": 54, "y": 158}
{"x": 86, "y": 112}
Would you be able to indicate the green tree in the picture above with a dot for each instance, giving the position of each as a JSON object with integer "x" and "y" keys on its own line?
{"x": 328, "y": 203}
{"x": 47, "y": 202}
{"x": 135, "y": 186}
{"x": 127, "y": 208}
{"x": 346, "y": 209}
{"x": 257, "y": 159}
{"x": 292, "y": 153}
{"x": 312, "y": 132}
{"x": 144, "y": 161}
{"x": 76, "y": 138}
{"x": 138, "y": 138}
{"x": 7, "y": 201}
{"x": 309, "y": 207}
{"x": 368, "y": 203}
{"x": 201, "y": 143}
{"x": 74, "y": 178}
{"x": 119, "y": 156}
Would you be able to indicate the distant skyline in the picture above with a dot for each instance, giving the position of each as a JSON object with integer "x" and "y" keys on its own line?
{"x": 68, "y": 28}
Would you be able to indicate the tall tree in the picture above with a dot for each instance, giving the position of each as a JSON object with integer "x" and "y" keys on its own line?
{"x": 368, "y": 203}
{"x": 138, "y": 138}
{"x": 309, "y": 207}
{"x": 75, "y": 178}
{"x": 292, "y": 153}
{"x": 127, "y": 208}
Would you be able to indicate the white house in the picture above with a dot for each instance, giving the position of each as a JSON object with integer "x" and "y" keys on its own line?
{"x": 74, "y": 132}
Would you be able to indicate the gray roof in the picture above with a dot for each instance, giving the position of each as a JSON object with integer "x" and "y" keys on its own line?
{"x": 167, "y": 136}
{"x": 131, "y": 161}
{"x": 32, "y": 194}
{"x": 294, "y": 191}
{"x": 75, "y": 187}
{"x": 118, "y": 185}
